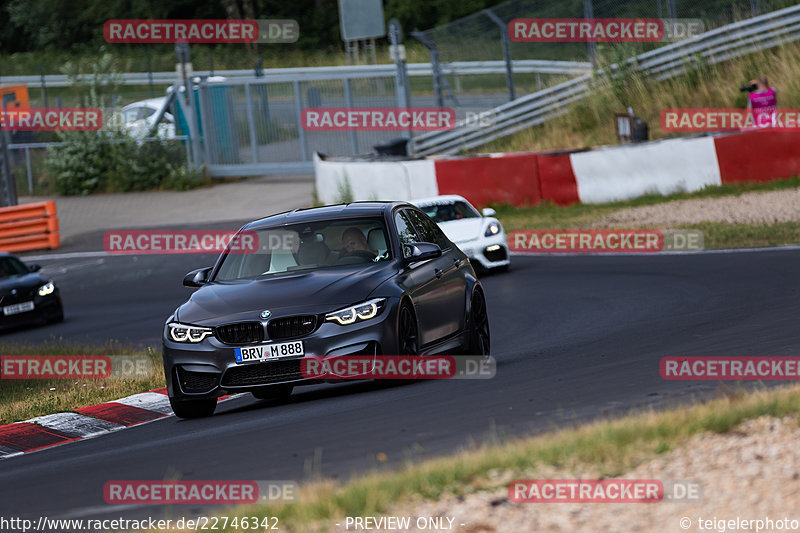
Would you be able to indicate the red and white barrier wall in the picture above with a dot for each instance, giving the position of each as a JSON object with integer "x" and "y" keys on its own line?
{"x": 600, "y": 175}
{"x": 374, "y": 180}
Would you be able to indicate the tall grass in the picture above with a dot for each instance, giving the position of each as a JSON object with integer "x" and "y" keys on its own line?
{"x": 590, "y": 122}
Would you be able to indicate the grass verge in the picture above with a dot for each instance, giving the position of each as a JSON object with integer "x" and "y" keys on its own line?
{"x": 609, "y": 448}
{"x": 24, "y": 399}
{"x": 717, "y": 234}
{"x": 590, "y": 121}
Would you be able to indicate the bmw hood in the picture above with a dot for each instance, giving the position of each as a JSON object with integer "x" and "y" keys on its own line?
{"x": 301, "y": 293}
{"x": 466, "y": 229}
{"x": 23, "y": 284}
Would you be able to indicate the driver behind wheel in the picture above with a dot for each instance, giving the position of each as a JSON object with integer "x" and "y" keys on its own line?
{"x": 355, "y": 243}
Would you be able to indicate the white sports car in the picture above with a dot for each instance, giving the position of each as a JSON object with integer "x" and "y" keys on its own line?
{"x": 477, "y": 234}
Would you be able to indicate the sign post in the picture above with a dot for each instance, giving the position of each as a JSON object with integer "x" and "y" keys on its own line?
{"x": 361, "y": 20}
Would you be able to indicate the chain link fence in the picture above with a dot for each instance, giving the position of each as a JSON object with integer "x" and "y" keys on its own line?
{"x": 482, "y": 36}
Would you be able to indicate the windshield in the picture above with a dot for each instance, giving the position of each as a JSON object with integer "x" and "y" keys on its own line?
{"x": 445, "y": 212}
{"x": 11, "y": 268}
{"x": 309, "y": 246}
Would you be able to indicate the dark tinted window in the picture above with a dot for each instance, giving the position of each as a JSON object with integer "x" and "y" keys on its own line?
{"x": 428, "y": 230}
{"x": 446, "y": 212}
{"x": 405, "y": 229}
{"x": 423, "y": 230}
{"x": 11, "y": 267}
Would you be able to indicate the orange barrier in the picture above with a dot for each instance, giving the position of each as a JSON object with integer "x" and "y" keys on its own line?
{"x": 29, "y": 227}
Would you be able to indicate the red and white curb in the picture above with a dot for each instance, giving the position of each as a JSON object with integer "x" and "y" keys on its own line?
{"x": 599, "y": 175}
{"x": 87, "y": 422}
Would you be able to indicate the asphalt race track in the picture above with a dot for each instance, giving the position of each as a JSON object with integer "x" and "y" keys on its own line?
{"x": 575, "y": 337}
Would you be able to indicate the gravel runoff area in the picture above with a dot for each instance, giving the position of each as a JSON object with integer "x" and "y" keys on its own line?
{"x": 751, "y": 472}
{"x": 767, "y": 207}
{"x": 231, "y": 201}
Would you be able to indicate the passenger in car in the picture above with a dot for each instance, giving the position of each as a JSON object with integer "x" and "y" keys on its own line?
{"x": 355, "y": 243}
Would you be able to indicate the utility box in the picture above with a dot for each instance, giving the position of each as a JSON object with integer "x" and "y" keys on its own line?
{"x": 631, "y": 128}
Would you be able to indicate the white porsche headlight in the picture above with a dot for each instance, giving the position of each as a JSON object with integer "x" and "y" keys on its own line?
{"x": 493, "y": 229}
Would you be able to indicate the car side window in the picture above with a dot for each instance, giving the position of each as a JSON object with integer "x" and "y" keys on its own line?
{"x": 405, "y": 229}
{"x": 441, "y": 238}
{"x": 423, "y": 230}
{"x": 429, "y": 231}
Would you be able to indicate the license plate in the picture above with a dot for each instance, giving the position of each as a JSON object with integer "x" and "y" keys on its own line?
{"x": 17, "y": 308}
{"x": 269, "y": 351}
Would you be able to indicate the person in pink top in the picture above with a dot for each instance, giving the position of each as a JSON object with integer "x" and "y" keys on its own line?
{"x": 763, "y": 102}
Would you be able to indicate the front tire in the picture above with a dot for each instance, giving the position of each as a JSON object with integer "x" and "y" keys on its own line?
{"x": 479, "y": 334}
{"x": 407, "y": 333}
{"x": 193, "y": 408}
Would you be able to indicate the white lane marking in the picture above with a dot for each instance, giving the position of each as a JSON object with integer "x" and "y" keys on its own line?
{"x": 75, "y": 424}
{"x": 91, "y": 511}
{"x": 71, "y": 255}
{"x": 152, "y": 401}
{"x": 8, "y": 452}
{"x": 63, "y": 269}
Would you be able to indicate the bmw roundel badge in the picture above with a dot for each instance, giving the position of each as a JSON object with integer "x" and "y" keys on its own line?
{"x": 265, "y": 314}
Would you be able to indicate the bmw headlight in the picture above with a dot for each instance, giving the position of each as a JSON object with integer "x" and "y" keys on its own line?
{"x": 49, "y": 288}
{"x": 493, "y": 229}
{"x": 183, "y": 333}
{"x": 358, "y": 312}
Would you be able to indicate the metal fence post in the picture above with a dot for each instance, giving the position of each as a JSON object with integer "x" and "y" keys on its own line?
{"x": 588, "y": 12}
{"x": 298, "y": 108}
{"x": 250, "y": 126}
{"x": 203, "y": 104}
{"x": 44, "y": 84}
{"x": 348, "y": 102}
{"x": 430, "y": 44}
{"x": 672, "y": 12}
{"x": 28, "y": 169}
{"x": 8, "y": 187}
{"x": 150, "y": 75}
{"x": 402, "y": 89}
{"x": 506, "y": 52}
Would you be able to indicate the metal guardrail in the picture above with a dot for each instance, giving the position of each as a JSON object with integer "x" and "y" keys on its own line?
{"x": 733, "y": 40}
{"x": 462, "y": 68}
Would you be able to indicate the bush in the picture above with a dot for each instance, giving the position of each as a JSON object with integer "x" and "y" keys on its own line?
{"x": 109, "y": 160}
{"x": 92, "y": 162}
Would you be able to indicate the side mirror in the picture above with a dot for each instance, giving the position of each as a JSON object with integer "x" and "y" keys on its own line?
{"x": 33, "y": 267}
{"x": 420, "y": 251}
{"x": 197, "y": 278}
{"x": 488, "y": 212}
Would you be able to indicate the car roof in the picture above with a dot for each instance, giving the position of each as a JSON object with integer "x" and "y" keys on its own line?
{"x": 327, "y": 212}
{"x": 442, "y": 199}
{"x": 153, "y": 103}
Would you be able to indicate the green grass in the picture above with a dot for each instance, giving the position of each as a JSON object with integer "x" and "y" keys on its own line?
{"x": 590, "y": 121}
{"x": 602, "y": 449}
{"x": 23, "y": 399}
{"x": 717, "y": 235}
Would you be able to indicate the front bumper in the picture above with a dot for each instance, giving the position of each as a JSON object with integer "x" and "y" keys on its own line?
{"x": 209, "y": 369}
{"x": 489, "y": 252}
{"x": 45, "y": 309}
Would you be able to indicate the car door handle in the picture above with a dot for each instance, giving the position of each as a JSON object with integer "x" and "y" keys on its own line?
{"x": 438, "y": 273}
